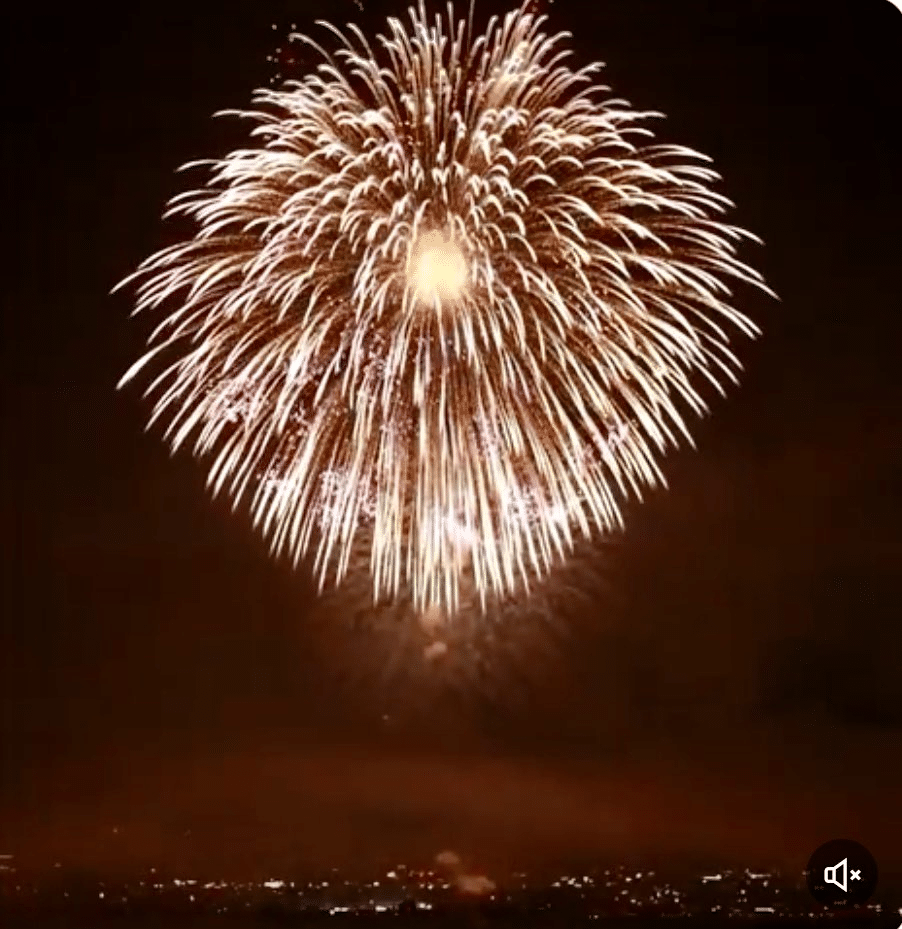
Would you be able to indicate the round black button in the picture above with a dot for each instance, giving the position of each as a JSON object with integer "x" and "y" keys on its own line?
{"x": 842, "y": 873}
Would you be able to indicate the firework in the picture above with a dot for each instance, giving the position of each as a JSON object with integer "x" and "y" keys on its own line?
{"x": 454, "y": 302}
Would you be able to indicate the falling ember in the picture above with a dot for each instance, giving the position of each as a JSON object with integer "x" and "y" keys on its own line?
{"x": 432, "y": 620}
{"x": 453, "y": 301}
{"x": 434, "y": 651}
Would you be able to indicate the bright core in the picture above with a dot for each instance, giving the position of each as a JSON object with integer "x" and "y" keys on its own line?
{"x": 439, "y": 270}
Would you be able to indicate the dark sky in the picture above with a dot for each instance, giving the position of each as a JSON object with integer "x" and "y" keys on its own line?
{"x": 737, "y": 692}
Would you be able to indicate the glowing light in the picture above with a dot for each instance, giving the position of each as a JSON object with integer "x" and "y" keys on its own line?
{"x": 439, "y": 270}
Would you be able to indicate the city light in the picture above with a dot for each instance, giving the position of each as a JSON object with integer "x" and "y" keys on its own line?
{"x": 404, "y": 889}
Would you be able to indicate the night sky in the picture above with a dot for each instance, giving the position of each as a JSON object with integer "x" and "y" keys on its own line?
{"x": 737, "y": 691}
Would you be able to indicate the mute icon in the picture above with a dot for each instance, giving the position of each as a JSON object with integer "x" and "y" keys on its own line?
{"x": 842, "y": 873}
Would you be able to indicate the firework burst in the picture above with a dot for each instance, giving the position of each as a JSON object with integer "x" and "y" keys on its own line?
{"x": 453, "y": 302}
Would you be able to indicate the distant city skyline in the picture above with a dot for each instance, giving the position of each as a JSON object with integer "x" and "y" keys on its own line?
{"x": 599, "y": 893}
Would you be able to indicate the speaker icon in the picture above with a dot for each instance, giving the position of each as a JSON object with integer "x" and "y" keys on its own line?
{"x": 842, "y": 873}
{"x": 831, "y": 878}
